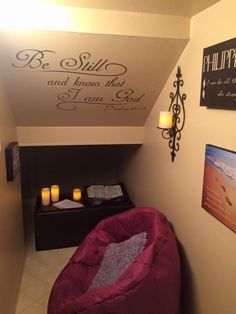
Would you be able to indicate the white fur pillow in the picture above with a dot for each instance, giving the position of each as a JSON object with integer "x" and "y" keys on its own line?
{"x": 117, "y": 258}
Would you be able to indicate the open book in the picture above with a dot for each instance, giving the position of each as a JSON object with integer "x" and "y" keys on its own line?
{"x": 104, "y": 192}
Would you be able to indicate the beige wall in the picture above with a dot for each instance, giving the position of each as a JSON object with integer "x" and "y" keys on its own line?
{"x": 49, "y": 136}
{"x": 11, "y": 229}
{"x": 208, "y": 248}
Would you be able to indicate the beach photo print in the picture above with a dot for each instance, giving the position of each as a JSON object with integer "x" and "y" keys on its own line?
{"x": 219, "y": 185}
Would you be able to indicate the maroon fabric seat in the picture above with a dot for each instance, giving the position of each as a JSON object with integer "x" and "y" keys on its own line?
{"x": 150, "y": 285}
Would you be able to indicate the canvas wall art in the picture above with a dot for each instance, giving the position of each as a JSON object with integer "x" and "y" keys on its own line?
{"x": 12, "y": 156}
{"x": 219, "y": 185}
{"x": 218, "y": 86}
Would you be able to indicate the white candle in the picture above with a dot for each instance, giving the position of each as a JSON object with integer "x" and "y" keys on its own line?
{"x": 45, "y": 196}
{"x": 165, "y": 120}
{"x": 76, "y": 194}
{"x": 54, "y": 193}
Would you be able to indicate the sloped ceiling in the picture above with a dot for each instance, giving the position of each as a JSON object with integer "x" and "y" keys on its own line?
{"x": 106, "y": 68}
{"x": 169, "y": 7}
{"x": 79, "y": 79}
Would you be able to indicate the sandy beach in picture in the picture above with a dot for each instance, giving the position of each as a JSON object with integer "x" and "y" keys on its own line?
{"x": 219, "y": 189}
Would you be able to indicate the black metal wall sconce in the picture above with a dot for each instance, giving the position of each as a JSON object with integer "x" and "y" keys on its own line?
{"x": 172, "y": 121}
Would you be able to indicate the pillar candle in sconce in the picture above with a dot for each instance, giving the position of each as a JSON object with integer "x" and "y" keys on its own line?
{"x": 45, "y": 196}
{"x": 55, "y": 193}
{"x": 76, "y": 194}
{"x": 165, "y": 120}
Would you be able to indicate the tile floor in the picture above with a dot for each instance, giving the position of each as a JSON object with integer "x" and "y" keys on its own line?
{"x": 40, "y": 270}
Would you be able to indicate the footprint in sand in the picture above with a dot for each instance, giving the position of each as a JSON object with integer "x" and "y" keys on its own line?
{"x": 228, "y": 201}
{"x": 223, "y": 188}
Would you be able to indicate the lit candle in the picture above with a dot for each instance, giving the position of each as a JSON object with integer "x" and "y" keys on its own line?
{"x": 76, "y": 194}
{"x": 165, "y": 120}
{"x": 45, "y": 196}
{"x": 54, "y": 193}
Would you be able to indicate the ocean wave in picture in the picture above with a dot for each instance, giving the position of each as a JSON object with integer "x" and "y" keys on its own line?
{"x": 227, "y": 170}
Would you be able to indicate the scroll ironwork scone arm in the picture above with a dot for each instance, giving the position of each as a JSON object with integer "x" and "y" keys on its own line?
{"x": 176, "y": 108}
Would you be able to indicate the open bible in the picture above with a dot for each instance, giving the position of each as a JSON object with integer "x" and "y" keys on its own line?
{"x": 104, "y": 192}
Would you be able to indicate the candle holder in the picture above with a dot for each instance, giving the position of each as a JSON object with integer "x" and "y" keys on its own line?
{"x": 55, "y": 193}
{"x": 45, "y": 196}
{"x": 173, "y": 133}
{"x": 76, "y": 194}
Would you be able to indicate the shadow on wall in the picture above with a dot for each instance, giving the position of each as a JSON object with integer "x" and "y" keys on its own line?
{"x": 188, "y": 299}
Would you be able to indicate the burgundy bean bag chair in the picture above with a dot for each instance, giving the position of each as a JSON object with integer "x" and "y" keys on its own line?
{"x": 141, "y": 241}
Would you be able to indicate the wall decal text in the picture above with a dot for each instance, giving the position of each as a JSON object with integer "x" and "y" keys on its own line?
{"x": 86, "y": 80}
{"x": 84, "y": 64}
